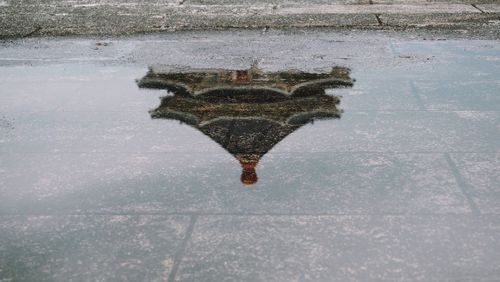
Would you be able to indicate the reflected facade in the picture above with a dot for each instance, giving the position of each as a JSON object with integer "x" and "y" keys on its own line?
{"x": 247, "y": 112}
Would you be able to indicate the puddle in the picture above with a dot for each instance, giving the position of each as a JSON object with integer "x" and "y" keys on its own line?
{"x": 104, "y": 163}
{"x": 247, "y": 112}
{"x": 309, "y": 138}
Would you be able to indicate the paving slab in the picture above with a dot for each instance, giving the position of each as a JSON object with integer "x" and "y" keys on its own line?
{"x": 83, "y": 248}
{"x": 88, "y": 2}
{"x": 403, "y": 186}
{"x": 465, "y": 23}
{"x": 82, "y": 87}
{"x": 342, "y": 183}
{"x": 415, "y": 131}
{"x": 391, "y": 95}
{"x": 481, "y": 177}
{"x": 342, "y": 248}
{"x": 273, "y": 50}
{"x": 111, "y": 17}
{"x": 89, "y": 104}
{"x": 464, "y": 96}
{"x": 378, "y": 9}
{"x": 391, "y": 131}
{"x": 276, "y": 2}
{"x": 489, "y": 8}
{"x": 426, "y": 2}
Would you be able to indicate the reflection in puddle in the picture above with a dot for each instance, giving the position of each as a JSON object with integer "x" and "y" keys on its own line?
{"x": 246, "y": 111}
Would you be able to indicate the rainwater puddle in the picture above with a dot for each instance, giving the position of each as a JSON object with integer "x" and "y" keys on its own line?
{"x": 310, "y": 156}
{"x": 346, "y": 138}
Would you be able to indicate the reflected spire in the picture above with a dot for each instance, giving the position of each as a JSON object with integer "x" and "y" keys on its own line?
{"x": 248, "y": 174}
{"x": 247, "y": 112}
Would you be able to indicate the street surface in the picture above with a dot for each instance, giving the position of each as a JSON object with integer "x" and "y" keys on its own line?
{"x": 402, "y": 185}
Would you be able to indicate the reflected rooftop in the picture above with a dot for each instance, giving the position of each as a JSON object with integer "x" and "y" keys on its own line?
{"x": 247, "y": 112}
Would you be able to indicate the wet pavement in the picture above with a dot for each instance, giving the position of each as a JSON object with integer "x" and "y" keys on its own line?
{"x": 29, "y": 18}
{"x": 274, "y": 156}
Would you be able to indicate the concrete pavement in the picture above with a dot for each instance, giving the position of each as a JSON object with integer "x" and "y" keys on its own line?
{"x": 114, "y": 17}
{"x": 403, "y": 187}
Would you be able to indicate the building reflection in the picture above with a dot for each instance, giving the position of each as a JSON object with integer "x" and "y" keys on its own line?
{"x": 246, "y": 111}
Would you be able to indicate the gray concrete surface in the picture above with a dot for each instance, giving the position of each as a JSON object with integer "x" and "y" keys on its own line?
{"x": 404, "y": 186}
{"x": 114, "y": 17}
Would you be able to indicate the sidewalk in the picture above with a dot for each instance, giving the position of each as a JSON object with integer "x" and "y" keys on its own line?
{"x": 404, "y": 186}
{"x": 27, "y": 18}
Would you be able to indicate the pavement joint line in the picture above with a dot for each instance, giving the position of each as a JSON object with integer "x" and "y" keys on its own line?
{"x": 461, "y": 183}
{"x": 208, "y": 214}
{"x": 475, "y": 6}
{"x": 380, "y": 23}
{"x": 349, "y": 110}
{"x": 179, "y": 255}
{"x": 414, "y": 92}
{"x": 393, "y": 49}
{"x": 270, "y": 153}
{"x": 189, "y": 18}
